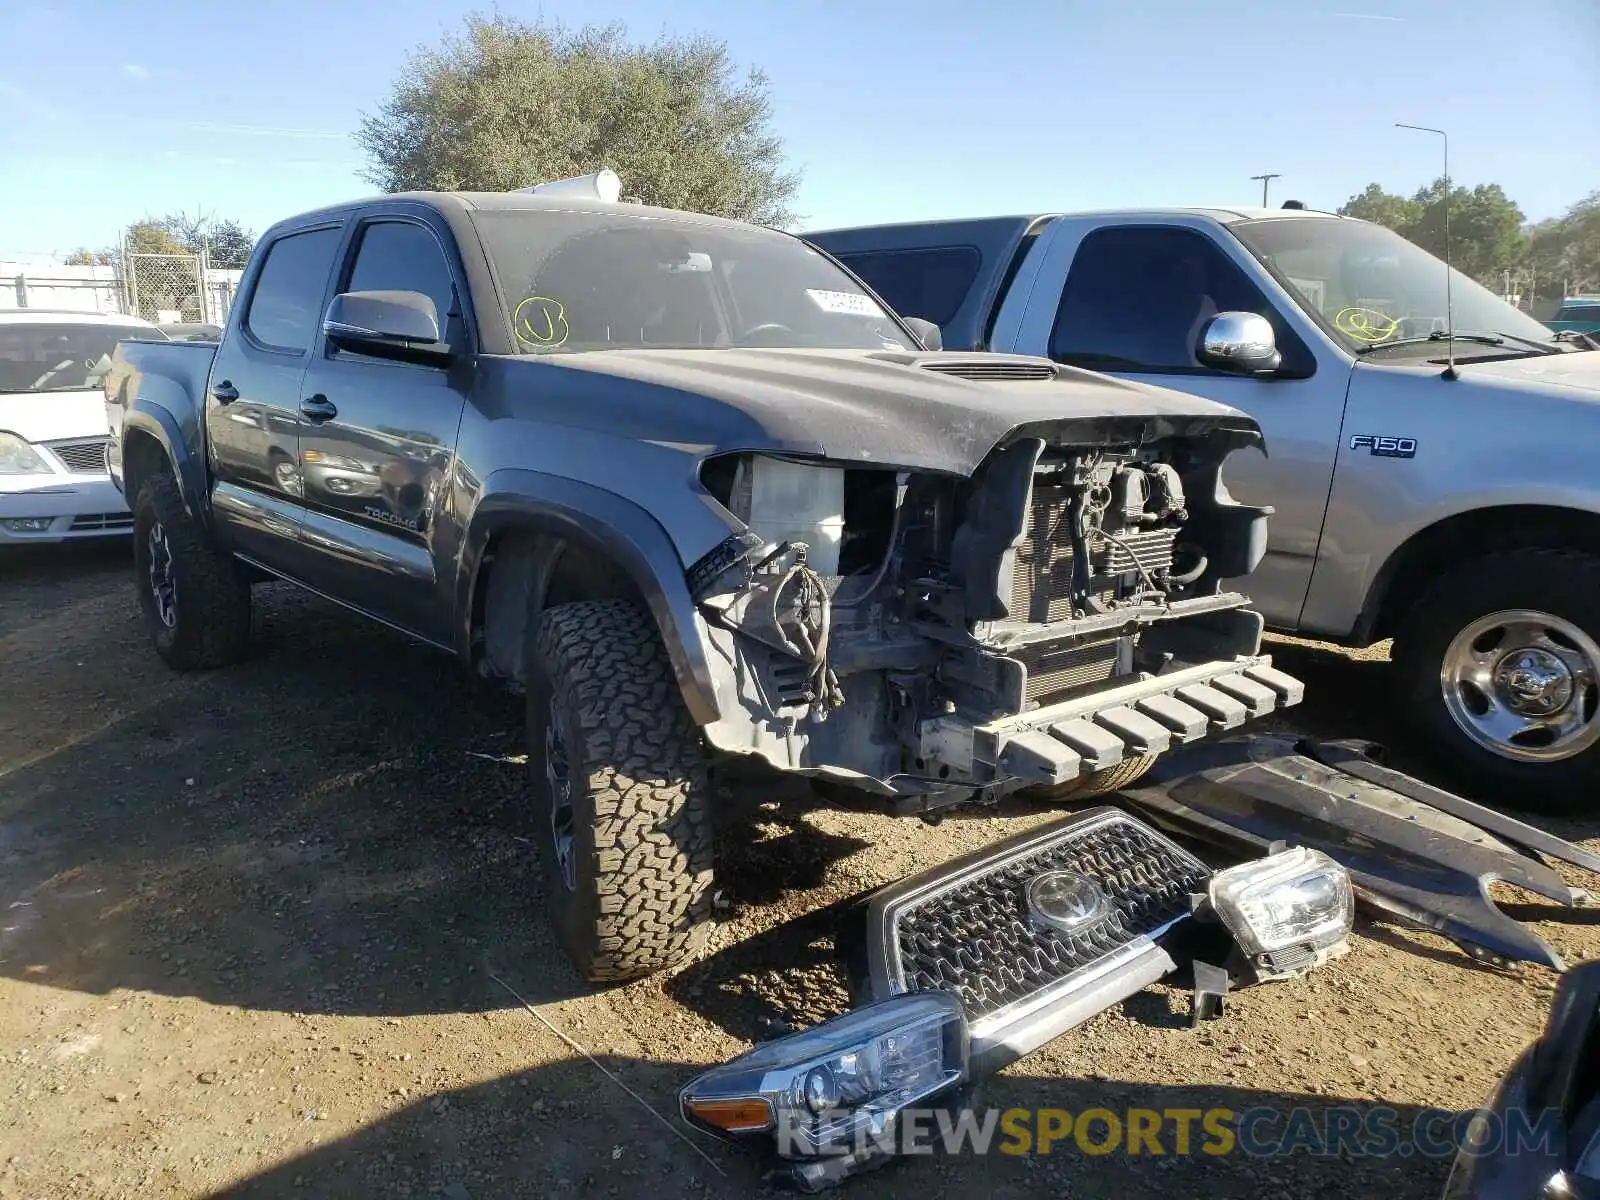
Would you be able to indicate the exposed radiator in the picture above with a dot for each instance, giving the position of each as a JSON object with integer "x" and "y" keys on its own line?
{"x": 1041, "y": 584}
{"x": 1151, "y": 549}
{"x": 1041, "y": 581}
{"x": 1054, "y": 672}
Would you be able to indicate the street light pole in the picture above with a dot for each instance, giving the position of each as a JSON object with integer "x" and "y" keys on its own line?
{"x": 1449, "y": 307}
{"x": 1266, "y": 181}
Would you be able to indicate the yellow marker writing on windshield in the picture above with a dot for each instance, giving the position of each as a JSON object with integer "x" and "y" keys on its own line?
{"x": 1365, "y": 324}
{"x": 540, "y": 323}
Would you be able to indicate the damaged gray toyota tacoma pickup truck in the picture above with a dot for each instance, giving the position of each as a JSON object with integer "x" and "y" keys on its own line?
{"x": 695, "y": 489}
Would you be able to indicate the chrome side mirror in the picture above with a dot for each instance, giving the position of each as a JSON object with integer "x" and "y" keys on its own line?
{"x": 1241, "y": 342}
{"x": 927, "y": 332}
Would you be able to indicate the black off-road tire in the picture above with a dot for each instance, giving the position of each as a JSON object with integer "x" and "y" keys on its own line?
{"x": 640, "y": 892}
{"x": 1562, "y": 583}
{"x": 1095, "y": 783}
{"x": 211, "y": 596}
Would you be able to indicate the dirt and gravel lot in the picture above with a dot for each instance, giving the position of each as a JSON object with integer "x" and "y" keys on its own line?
{"x": 257, "y": 929}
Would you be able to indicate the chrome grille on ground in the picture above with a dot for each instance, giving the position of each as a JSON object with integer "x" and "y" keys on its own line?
{"x": 1053, "y": 672}
{"x": 978, "y": 939}
{"x": 88, "y": 522}
{"x": 86, "y": 456}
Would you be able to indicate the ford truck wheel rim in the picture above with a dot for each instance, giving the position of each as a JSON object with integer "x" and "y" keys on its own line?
{"x": 163, "y": 588}
{"x": 1524, "y": 685}
{"x": 563, "y": 818}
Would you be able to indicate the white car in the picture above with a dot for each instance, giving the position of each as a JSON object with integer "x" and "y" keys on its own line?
{"x": 53, "y": 435}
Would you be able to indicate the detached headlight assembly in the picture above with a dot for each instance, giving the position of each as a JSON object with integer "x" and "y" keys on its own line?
{"x": 17, "y": 457}
{"x": 831, "y": 1094}
{"x": 1288, "y": 912}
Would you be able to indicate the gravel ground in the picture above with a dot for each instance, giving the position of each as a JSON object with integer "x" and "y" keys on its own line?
{"x": 262, "y": 928}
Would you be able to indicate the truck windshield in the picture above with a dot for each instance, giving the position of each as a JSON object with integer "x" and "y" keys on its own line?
{"x": 575, "y": 281}
{"x": 1369, "y": 286}
{"x": 61, "y": 357}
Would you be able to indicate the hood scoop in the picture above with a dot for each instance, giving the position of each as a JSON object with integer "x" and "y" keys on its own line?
{"x": 990, "y": 370}
{"x": 984, "y": 368}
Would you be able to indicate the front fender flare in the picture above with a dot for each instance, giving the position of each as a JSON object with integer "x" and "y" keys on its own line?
{"x": 533, "y": 501}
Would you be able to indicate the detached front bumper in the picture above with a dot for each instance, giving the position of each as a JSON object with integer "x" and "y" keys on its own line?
{"x": 54, "y": 508}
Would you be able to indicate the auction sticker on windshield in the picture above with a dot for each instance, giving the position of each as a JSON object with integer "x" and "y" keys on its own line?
{"x": 852, "y": 304}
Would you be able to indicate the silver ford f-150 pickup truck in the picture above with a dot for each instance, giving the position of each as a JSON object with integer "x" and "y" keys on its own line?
{"x": 695, "y": 489}
{"x": 1455, "y": 508}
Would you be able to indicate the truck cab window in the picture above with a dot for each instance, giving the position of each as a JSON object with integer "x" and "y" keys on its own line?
{"x": 929, "y": 283}
{"x": 399, "y": 256}
{"x": 286, "y": 306}
{"x": 1138, "y": 296}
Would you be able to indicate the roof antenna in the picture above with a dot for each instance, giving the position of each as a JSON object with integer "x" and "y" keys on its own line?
{"x": 1449, "y": 308}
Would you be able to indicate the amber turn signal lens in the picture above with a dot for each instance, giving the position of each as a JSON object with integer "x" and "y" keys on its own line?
{"x": 734, "y": 1116}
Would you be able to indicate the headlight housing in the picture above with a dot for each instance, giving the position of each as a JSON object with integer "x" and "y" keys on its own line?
{"x": 1288, "y": 912}
{"x": 835, "y": 1090}
{"x": 18, "y": 457}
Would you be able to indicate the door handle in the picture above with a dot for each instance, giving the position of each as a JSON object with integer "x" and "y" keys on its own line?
{"x": 225, "y": 392}
{"x": 318, "y": 408}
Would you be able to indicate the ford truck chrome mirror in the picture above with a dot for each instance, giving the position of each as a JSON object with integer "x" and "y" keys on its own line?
{"x": 1242, "y": 342}
{"x": 927, "y": 332}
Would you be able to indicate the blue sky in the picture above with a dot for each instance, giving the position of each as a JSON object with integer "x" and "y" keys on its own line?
{"x": 111, "y": 110}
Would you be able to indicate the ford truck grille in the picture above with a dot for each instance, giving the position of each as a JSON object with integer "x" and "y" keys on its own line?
{"x": 977, "y": 938}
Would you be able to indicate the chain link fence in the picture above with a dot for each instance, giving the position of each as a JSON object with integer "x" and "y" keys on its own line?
{"x": 166, "y": 287}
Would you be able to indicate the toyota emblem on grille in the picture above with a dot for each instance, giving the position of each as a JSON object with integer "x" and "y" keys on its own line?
{"x": 1065, "y": 900}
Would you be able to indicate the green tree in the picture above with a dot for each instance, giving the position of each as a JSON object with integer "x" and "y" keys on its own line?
{"x": 83, "y": 257}
{"x": 1486, "y": 237}
{"x": 151, "y": 236}
{"x": 1383, "y": 208}
{"x": 1564, "y": 252}
{"x": 1486, "y": 226}
{"x": 507, "y": 103}
{"x": 225, "y": 242}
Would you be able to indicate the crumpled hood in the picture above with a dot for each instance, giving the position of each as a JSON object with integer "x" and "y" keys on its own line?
{"x": 883, "y": 407}
{"x": 1579, "y": 370}
{"x": 49, "y": 416}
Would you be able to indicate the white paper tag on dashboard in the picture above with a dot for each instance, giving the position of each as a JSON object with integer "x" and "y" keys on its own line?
{"x": 849, "y": 303}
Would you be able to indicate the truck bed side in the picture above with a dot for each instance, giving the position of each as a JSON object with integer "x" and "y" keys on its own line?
{"x": 155, "y": 405}
{"x": 960, "y": 292}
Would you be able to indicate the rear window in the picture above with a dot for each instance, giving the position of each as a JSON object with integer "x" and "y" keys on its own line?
{"x": 929, "y": 283}
{"x": 286, "y": 307}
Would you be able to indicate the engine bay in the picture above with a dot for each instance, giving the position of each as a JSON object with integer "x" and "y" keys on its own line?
{"x": 864, "y": 602}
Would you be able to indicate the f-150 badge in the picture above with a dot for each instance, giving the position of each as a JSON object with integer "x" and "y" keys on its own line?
{"x": 1382, "y": 446}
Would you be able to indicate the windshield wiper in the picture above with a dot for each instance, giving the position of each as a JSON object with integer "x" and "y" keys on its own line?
{"x": 1531, "y": 343}
{"x": 1439, "y": 335}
